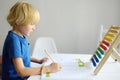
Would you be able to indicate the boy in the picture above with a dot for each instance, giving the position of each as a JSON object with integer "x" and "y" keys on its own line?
{"x": 16, "y": 56}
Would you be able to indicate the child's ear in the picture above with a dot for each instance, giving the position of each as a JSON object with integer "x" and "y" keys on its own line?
{"x": 15, "y": 24}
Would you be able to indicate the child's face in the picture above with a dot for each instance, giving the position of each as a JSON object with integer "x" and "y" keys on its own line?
{"x": 27, "y": 30}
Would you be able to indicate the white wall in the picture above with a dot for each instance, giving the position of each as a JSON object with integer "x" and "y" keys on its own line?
{"x": 73, "y": 24}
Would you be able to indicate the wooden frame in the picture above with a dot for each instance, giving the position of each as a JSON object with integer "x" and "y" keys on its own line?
{"x": 115, "y": 55}
{"x": 108, "y": 50}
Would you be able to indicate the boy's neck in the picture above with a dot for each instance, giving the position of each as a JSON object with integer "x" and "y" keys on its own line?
{"x": 17, "y": 32}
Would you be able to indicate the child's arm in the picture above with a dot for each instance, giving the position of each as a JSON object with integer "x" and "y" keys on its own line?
{"x": 22, "y": 70}
{"x": 38, "y": 61}
{"x": 25, "y": 71}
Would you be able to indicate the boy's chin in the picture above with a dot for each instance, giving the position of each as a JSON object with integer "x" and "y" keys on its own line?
{"x": 27, "y": 35}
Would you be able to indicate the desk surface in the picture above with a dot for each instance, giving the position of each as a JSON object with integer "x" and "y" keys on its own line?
{"x": 71, "y": 71}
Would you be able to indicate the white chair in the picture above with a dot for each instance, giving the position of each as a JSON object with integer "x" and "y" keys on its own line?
{"x": 43, "y": 43}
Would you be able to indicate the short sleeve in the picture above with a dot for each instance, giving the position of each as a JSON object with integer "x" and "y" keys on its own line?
{"x": 14, "y": 48}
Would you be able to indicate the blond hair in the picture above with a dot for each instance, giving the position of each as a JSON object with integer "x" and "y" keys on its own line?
{"x": 23, "y": 13}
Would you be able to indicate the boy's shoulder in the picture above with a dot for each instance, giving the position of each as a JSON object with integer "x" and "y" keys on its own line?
{"x": 12, "y": 35}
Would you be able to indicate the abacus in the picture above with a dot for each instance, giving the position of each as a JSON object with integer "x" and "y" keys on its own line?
{"x": 106, "y": 48}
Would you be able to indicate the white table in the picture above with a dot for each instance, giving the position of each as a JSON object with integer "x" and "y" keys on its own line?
{"x": 71, "y": 71}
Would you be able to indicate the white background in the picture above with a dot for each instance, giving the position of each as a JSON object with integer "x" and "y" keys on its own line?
{"x": 74, "y": 24}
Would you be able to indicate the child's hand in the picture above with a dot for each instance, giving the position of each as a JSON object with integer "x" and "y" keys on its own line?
{"x": 44, "y": 60}
{"x": 54, "y": 67}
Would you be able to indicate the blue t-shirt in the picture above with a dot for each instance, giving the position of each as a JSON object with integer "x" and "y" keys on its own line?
{"x": 14, "y": 46}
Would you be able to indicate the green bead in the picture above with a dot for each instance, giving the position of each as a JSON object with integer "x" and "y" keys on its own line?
{"x": 47, "y": 74}
{"x": 98, "y": 54}
{"x": 101, "y": 51}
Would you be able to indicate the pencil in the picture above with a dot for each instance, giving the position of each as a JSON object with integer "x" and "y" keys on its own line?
{"x": 48, "y": 54}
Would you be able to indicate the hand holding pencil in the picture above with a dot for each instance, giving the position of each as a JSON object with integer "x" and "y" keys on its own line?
{"x": 53, "y": 67}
